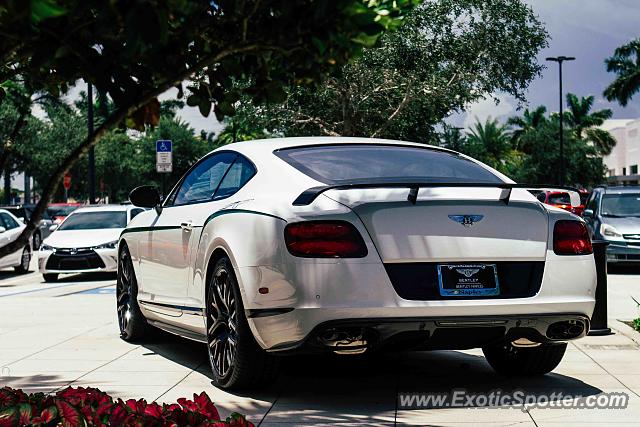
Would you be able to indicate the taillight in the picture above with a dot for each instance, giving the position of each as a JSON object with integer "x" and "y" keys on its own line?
{"x": 324, "y": 239}
{"x": 571, "y": 238}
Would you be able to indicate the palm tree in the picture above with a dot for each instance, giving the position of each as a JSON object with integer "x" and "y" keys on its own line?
{"x": 625, "y": 62}
{"x": 585, "y": 123}
{"x": 492, "y": 140}
{"x": 529, "y": 121}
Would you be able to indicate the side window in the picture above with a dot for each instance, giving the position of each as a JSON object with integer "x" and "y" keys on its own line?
{"x": 135, "y": 212}
{"x": 9, "y": 223}
{"x": 239, "y": 173}
{"x": 200, "y": 184}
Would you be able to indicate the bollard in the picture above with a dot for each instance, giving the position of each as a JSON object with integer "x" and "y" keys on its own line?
{"x": 599, "y": 322}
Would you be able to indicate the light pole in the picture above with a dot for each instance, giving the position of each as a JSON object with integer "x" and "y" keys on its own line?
{"x": 560, "y": 60}
{"x": 92, "y": 158}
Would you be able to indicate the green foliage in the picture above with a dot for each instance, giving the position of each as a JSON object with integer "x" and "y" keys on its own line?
{"x": 527, "y": 150}
{"x": 447, "y": 54}
{"x": 625, "y": 64}
{"x": 131, "y": 50}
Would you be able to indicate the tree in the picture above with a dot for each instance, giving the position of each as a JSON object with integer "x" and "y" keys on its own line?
{"x": 625, "y": 63}
{"x": 448, "y": 54}
{"x": 529, "y": 121}
{"x": 135, "y": 50}
{"x": 490, "y": 143}
{"x": 584, "y": 122}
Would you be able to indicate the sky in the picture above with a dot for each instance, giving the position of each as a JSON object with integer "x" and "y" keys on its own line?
{"x": 590, "y": 30}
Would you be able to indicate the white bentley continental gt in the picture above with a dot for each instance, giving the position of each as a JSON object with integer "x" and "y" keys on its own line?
{"x": 348, "y": 245}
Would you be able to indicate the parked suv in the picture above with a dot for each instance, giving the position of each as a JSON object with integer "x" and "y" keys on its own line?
{"x": 23, "y": 213}
{"x": 613, "y": 214}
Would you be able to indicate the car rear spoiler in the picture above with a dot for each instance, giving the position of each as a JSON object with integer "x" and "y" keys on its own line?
{"x": 309, "y": 195}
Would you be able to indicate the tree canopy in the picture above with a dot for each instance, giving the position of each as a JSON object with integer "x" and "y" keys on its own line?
{"x": 447, "y": 54}
{"x": 625, "y": 63}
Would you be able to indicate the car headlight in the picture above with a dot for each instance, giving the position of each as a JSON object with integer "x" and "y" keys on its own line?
{"x": 44, "y": 247}
{"x": 110, "y": 245}
{"x": 609, "y": 231}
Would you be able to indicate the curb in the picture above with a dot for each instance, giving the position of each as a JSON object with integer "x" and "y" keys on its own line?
{"x": 625, "y": 330}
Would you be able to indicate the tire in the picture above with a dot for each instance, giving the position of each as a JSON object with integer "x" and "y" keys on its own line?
{"x": 524, "y": 361}
{"x": 25, "y": 260}
{"x": 50, "y": 277}
{"x": 236, "y": 359}
{"x": 37, "y": 241}
{"x": 132, "y": 323}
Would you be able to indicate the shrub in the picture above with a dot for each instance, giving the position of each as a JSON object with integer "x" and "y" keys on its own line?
{"x": 79, "y": 407}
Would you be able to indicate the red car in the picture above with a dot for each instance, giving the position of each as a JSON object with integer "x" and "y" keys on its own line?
{"x": 59, "y": 211}
{"x": 562, "y": 200}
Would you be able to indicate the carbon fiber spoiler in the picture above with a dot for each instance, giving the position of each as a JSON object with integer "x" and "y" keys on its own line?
{"x": 309, "y": 195}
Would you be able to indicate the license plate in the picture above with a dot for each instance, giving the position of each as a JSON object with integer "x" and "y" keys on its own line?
{"x": 468, "y": 280}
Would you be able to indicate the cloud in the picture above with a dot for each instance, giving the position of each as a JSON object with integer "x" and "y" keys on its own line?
{"x": 482, "y": 110}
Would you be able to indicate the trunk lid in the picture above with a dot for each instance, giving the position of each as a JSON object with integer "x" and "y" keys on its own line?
{"x": 445, "y": 225}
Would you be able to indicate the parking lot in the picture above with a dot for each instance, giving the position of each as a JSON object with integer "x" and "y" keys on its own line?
{"x": 55, "y": 335}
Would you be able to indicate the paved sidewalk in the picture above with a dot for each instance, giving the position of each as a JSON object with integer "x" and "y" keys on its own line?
{"x": 48, "y": 342}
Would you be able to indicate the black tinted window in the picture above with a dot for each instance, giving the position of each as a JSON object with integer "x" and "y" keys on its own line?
{"x": 95, "y": 220}
{"x": 135, "y": 212}
{"x": 363, "y": 162}
{"x": 238, "y": 174}
{"x": 201, "y": 182}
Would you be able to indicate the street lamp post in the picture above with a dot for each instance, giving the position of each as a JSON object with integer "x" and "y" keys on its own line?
{"x": 560, "y": 60}
{"x": 92, "y": 158}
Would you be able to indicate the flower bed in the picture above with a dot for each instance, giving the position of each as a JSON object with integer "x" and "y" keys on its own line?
{"x": 81, "y": 407}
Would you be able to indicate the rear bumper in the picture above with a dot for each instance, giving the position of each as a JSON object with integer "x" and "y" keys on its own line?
{"x": 618, "y": 252}
{"x": 451, "y": 333}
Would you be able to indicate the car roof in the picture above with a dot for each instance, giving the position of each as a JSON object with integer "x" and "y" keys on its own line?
{"x": 621, "y": 190}
{"x": 272, "y": 144}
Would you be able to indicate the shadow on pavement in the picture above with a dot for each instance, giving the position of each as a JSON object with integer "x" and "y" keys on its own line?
{"x": 86, "y": 277}
{"x": 623, "y": 269}
{"x": 346, "y": 388}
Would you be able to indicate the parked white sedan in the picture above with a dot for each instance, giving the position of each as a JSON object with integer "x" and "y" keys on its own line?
{"x": 349, "y": 245}
{"x": 85, "y": 242}
{"x": 10, "y": 229}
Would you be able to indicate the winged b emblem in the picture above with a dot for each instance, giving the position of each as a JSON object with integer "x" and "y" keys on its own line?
{"x": 466, "y": 220}
{"x": 467, "y": 272}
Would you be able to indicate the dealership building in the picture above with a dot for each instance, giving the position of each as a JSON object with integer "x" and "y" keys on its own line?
{"x": 622, "y": 164}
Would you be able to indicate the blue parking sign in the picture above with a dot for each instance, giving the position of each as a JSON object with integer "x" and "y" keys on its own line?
{"x": 163, "y": 146}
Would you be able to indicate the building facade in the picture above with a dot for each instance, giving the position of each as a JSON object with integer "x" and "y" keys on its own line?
{"x": 623, "y": 162}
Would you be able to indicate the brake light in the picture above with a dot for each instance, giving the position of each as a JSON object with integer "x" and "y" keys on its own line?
{"x": 571, "y": 238}
{"x": 324, "y": 239}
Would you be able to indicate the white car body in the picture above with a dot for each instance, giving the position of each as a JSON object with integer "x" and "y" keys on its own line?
{"x": 173, "y": 251}
{"x": 83, "y": 251}
{"x": 12, "y": 229}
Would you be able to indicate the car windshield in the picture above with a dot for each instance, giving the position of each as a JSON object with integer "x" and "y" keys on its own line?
{"x": 559, "y": 199}
{"x": 95, "y": 220}
{"x": 61, "y": 210}
{"x": 621, "y": 204}
{"x": 334, "y": 164}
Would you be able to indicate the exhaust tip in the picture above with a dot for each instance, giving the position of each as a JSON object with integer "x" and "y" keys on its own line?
{"x": 565, "y": 330}
{"x": 344, "y": 341}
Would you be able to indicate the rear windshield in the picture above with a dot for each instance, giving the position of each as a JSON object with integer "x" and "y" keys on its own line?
{"x": 95, "y": 220}
{"x": 334, "y": 164}
{"x": 621, "y": 204}
{"x": 560, "y": 199}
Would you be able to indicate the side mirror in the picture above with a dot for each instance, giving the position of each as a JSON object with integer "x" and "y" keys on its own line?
{"x": 587, "y": 213}
{"x": 146, "y": 196}
{"x": 53, "y": 227}
{"x": 2, "y": 229}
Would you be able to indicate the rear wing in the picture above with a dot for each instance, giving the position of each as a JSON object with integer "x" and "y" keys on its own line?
{"x": 308, "y": 196}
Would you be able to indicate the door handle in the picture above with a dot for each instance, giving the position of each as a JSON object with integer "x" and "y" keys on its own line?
{"x": 186, "y": 226}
